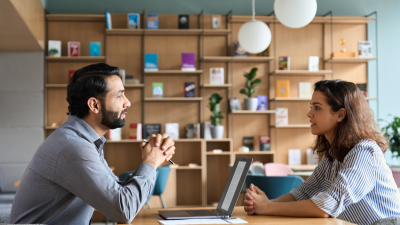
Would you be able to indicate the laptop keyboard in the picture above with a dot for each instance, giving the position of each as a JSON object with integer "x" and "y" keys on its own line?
{"x": 203, "y": 212}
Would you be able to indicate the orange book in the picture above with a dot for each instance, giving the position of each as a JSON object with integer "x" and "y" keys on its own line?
{"x": 283, "y": 88}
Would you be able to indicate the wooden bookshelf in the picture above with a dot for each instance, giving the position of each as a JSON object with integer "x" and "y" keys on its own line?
{"x": 217, "y": 86}
{"x": 237, "y": 59}
{"x": 76, "y": 59}
{"x": 302, "y": 72}
{"x": 350, "y": 60}
{"x": 261, "y": 112}
{"x": 174, "y": 99}
{"x": 173, "y": 72}
{"x": 293, "y": 126}
{"x": 65, "y": 85}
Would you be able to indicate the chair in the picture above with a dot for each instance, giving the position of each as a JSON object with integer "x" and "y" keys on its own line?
{"x": 6, "y": 198}
{"x": 274, "y": 186}
{"x": 277, "y": 169}
{"x": 396, "y": 176}
{"x": 394, "y": 220}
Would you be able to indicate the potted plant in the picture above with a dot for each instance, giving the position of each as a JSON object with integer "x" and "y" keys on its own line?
{"x": 392, "y": 132}
{"x": 217, "y": 130}
{"x": 251, "y": 85}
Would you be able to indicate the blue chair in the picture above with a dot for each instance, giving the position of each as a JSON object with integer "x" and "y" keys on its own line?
{"x": 274, "y": 186}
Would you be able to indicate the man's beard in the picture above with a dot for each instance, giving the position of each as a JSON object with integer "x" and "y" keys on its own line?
{"x": 110, "y": 118}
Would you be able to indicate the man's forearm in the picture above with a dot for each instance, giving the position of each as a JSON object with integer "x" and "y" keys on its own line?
{"x": 284, "y": 198}
{"x": 305, "y": 208}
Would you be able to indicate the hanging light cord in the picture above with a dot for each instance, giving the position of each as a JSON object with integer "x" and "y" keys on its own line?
{"x": 254, "y": 11}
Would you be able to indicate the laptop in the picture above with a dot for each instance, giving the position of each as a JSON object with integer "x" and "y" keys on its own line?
{"x": 227, "y": 201}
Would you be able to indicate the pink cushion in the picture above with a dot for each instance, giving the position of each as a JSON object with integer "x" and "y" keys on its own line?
{"x": 396, "y": 176}
{"x": 277, "y": 169}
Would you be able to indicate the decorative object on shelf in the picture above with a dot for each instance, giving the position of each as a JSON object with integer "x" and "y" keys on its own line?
{"x": 183, "y": 21}
{"x": 152, "y": 21}
{"x": 108, "y": 21}
{"x": 74, "y": 48}
{"x": 217, "y": 131}
{"x": 251, "y": 85}
{"x": 249, "y": 142}
{"x": 189, "y": 88}
{"x": 313, "y": 63}
{"x": 122, "y": 75}
{"x": 70, "y": 74}
{"x": 364, "y": 49}
{"x": 392, "y": 132}
{"x": 193, "y": 131}
{"x": 343, "y": 53}
{"x": 216, "y": 21}
{"x": 265, "y": 143}
{"x": 114, "y": 134}
{"x": 262, "y": 102}
{"x": 157, "y": 90}
{"x": 151, "y": 62}
{"x": 215, "y": 151}
{"x": 207, "y": 130}
{"x": 217, "y": 75}
{"x": 244, "y": 149}
{"x": 95, "y": 48}
{"x": 133, "y": 21}
{"x": 150, "y": 129}
{"x": 235, "y": 104}
{"x": 130, "y": 80}
{"x": 312, "y": 159}
{"x": 238, "y": 50}
{"x": 135, "y": 131}
{"x": 284, "y": 63}
{"x": 295, "y": 13}
{"x": 363, "y": 88}
{"x": 190, "y": 164}
{"x": 188, "y": 62}
{"x": 281, "y": 116}
{"x": 304, "y": 90}
{"x": 283, "y": 88}
{"x": 254, "y": 36}
{"x": 172, "y": 129}
{"x": 294, "y": 157}
{"x": 54, "y": 47}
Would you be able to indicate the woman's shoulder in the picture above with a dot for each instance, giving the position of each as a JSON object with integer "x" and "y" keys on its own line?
{"x": 365, "y": 148}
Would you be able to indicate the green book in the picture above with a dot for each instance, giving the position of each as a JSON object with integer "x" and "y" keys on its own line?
{"x": 157, "y": 90}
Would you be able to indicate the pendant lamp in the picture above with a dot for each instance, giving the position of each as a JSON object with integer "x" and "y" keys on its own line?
{"x": 295, "y": 13}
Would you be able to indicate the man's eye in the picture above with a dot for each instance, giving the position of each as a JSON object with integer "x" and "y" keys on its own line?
{"x": 119, "y": 96}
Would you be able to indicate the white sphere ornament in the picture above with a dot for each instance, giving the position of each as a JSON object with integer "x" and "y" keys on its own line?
{"x": 254, "y": 36}
{"x": 295, "y": 13}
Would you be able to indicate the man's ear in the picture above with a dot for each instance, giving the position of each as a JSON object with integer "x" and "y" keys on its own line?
{"x": 94, "y": 105}
{"x": 341, "y": 115}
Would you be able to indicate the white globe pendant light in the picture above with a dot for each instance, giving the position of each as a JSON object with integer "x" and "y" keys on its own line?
{"x": 295, "y": 13}
{"x": 254, "y": 36}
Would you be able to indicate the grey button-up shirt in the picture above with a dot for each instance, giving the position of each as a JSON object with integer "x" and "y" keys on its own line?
{"x": 68, "y": 177}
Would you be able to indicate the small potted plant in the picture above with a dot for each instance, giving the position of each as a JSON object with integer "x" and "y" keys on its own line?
{"x": 217, "y": 130}
{"x": 392, "y": 132}
{"x": 251, "y": 85}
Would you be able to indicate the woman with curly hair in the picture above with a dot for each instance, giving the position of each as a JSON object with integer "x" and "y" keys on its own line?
{"x": 352, "y": 182}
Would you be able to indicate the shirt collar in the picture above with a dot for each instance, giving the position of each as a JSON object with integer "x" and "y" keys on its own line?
{"x": 85, "y": 130}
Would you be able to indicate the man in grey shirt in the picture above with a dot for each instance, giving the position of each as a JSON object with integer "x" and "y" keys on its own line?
{"x": 68, "y": 176}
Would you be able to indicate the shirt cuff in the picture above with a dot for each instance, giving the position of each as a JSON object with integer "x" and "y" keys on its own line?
{"x": 298, "y": 195}
{"x": 328, "y": 204}
{"x": 147, "y": 170}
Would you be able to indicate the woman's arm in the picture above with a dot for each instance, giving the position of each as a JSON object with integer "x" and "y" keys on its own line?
{"x": 284, "y": 198}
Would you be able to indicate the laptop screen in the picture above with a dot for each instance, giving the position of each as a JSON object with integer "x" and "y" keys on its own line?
{"x": 234, "y": 185}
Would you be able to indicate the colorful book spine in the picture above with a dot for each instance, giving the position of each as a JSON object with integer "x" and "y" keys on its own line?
{"x": 151, "y": 62}
{"x": 74, "y": 48}
{"x": 262, "y": 102}
{"x": 172, "y": 129}
{"x": 189, "y": 88}
{"x": 150, "y": 129}
{"x": 108, "y": 20}
{"x": 284, "y": 63}
{"x": 283, "y": 88}
{"x": 54, "y": 48}
{"x": 135, "y": 131}
{"x": 249, "y": 142}
{"x": 183, "y": 21}
{"x": 95, "y": 48}
{"x": 265, "y": 143}
{"x": 281, "y": 116}
{"x": 152, "y": 21}
{"x": 188, "y": 62}
{"x": 133, "y": 20}
{"x": 158, "y": 90}
{"x": 304, "y": 90}
{"x": 217, "y": 75}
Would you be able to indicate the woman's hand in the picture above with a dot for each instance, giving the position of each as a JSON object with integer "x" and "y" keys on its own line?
{"x": 256, "y": 202}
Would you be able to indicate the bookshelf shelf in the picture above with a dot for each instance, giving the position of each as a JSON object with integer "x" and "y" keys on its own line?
{"x": 219, "y": 140}
{"x": 217, "y": 86}
{"x": 302, "y": 72}
{"x": 76, "y": 17}
{"x": 174, "y": 99}
{"x": 249, "y": 59}
{"x": 207, "y": 32}
{"x": 221, "y": 153}
{"x": 317, "y": 19}
{"x": 124, "y": 31}
{"x": 292, "y": 126}
{"x": 173, "y": 72}
{"x": 253, "y": 112}
{"x": 291, "y": 99}
{"x": 66, "y": 85}
{"x": 350, "y": 60}
{"x": 216, "y": 32}
{"x": 255, "y": 153}
{"x": 76, "y": 59}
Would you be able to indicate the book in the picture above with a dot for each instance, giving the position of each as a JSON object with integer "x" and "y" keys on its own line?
{"x": 122, "y": 75}
{"x": 190, "y": 130}
{"x": 238, "y": 50}
{"x": 172, "y": 129}
{"x": 157, "y": 90}
{"x": 249, "y": 142}
{"x": 189, "y": 88}
{"x": 150, "y": 129}
{"x": 197, "y": 131}
{"x": 283, "y": 88}
{"x": 188, "y": 61}
{"x": 54, "y": 47}
{"x": 151, "y": 62}
{"x": 235, "y": 104}
{"x": 284, "y": 63}
{"x": 74, "y": 48}
{"x": 152, "y": 21}
{"x": 133, "y": 20}
{"x": 265, "y": 143}
{"x": 304, "y": 90}
{"x": 262, "y": 102}
{"x": 95, "y": 48}
{"x": 363, "y": 89}
{"x": 294, "y": 157}
{"x": 216, "y": 21}
{"x": 183, "y": 21}
{"x": 313, "y": 63}
{"x": 135, "y": 131}
{"x": 312, "y": 159}
{"x": 281, "y": 116}
{"x": 70, "y": 74}
{"x": 207, "y": 130}
{"x": 364, "y": 49}
{"x": 114, "y": 134}
{"x": 217, "y": 75}
{"x": 108, "y": 20}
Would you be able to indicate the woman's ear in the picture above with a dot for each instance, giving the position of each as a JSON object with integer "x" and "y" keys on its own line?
{"x": 341, "y": 115}
{"x": 94, "y": 105}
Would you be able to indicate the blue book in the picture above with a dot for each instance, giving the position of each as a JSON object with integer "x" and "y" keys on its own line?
{"x": 108, "y": 19}
{"x": 151, "y": 62}
{"x": 133, "y": 20}
{"x": 95, "y": 48}
{"x": 152, "y": 21}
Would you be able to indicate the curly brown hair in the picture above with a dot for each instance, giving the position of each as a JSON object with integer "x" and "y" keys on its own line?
{"x": 358, "y": 125}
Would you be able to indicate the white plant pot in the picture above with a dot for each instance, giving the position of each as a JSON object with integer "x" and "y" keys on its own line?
{"x": 217, "y": 132}
{"x": 251, "y": 104}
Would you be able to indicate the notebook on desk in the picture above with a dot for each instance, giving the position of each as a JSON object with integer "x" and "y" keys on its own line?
{"x": 227, "y": 201}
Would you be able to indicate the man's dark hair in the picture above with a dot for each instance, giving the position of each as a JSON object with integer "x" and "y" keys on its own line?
{"x": 88, "y": 82}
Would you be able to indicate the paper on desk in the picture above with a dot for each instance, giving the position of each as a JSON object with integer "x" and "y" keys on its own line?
{"x": 204, "y": 221}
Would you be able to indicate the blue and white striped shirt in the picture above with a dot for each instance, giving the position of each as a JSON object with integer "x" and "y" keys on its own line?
{"x": 360, "y": 190}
